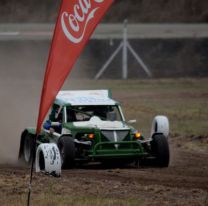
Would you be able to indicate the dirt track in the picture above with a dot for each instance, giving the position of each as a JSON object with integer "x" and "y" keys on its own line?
{"x": 185, "y": 182}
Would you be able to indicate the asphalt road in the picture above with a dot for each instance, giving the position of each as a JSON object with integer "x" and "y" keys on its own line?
{"x": 107, "y": 31}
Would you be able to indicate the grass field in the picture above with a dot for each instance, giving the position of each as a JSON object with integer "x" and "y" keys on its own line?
{"x": 184, "y": 101}
{"x": 51, "y": 199}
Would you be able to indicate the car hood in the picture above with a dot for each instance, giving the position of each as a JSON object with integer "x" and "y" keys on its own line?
{"x": 96, "y": 122}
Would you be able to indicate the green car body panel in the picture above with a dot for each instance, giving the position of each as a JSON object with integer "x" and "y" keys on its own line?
{"x": 112, "y": 138}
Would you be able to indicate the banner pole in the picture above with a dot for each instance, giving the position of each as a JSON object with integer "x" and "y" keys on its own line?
{"x": 31, "y": 170}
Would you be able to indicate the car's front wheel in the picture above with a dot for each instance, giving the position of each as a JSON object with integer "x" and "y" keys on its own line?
{"x": 160, "y": 150}
{"x": 67, "y": 151}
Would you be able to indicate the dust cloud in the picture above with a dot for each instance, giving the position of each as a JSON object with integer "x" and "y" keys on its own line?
{"x": 19, "y": 104}
{"x": 20, "y": 85}
{"x": 22, "y": 70}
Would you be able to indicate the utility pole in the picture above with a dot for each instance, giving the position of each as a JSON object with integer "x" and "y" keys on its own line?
{"x": 125, "y": 52}
{"x": 125, "y": 47}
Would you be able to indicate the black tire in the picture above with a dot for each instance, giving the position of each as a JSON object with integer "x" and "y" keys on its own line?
{"x": 26, "y": 148}
{"x": 67, "y": 150}
{"x": 160, "y": 150}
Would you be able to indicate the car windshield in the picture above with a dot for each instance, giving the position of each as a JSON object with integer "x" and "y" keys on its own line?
{"x": 84, "y": 113}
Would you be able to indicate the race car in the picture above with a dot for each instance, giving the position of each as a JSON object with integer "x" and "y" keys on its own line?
{"x": 86, "y": 126}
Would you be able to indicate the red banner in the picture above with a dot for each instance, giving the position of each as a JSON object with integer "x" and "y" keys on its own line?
{"x": 76, "y": 22}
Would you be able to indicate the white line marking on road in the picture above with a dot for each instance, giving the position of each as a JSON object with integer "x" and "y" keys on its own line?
{"x": 9, "y": 33}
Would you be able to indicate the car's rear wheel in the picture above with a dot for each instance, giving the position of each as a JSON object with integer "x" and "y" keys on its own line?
{"x": 67, "y": 151}
{"x": 26, "y": 148}
{"x": 160, "y": 150}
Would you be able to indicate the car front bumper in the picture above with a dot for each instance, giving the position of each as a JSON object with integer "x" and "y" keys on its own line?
{"x": 133, "y": 149}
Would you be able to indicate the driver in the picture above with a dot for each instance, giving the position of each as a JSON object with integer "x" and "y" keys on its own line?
{"x": 54, "y": 126}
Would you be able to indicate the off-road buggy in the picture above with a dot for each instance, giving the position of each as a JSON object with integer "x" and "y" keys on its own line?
{"x": 86, "y": 126}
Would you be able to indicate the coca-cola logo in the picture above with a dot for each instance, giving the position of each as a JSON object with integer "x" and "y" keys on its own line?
{"x": 75, "y": 24}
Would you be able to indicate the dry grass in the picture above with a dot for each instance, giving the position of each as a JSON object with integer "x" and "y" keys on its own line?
{"x": 184, "y": 101}
{"x": 63, "y": 200}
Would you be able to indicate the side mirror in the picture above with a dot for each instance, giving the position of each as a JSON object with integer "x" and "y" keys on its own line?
{"x": 133, "y": 121}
